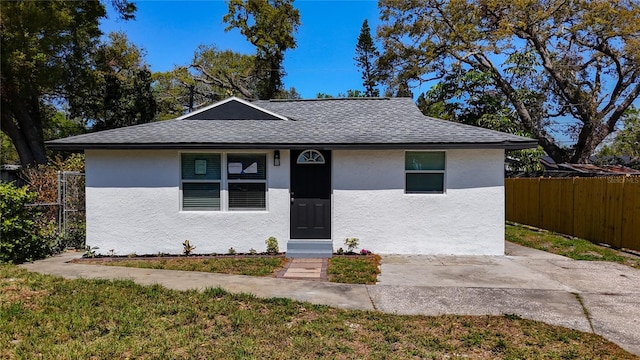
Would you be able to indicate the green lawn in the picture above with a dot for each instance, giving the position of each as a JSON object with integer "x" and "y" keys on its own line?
{"x": 253, "y": 266}
{"x": 48, "y": 317}
{"x": 354, "y": 270}
{"x": 341, "y": 269}
{"x": 573, "y": 248}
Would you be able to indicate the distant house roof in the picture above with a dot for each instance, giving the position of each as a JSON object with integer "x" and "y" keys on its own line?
{"x": 565, "y": 169}
{"x": 364, "y": 123}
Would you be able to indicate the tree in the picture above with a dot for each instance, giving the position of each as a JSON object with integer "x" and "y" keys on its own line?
{"x": 627, "y": 140}
{"x": 481, "y": 106}
{"x": 291, "y": 94}
{"x": 212, "y": 75}
{"x": 122, "y": 95}
{"x": 227, "y": 73}
{"x": 366, "y": 55}
{"x": 352, "y": 94}
{"x": 269, "y": 25}
{"x": 561, "y": 59}
{"x": 46, "y": 47}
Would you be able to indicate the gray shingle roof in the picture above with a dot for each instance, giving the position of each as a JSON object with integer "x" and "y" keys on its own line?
{"x": 323, "y": 123}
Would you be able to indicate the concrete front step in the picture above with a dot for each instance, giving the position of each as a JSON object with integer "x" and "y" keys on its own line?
{"x": 309, "y": 249}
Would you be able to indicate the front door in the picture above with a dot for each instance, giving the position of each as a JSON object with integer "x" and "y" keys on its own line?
{"x": 310, "y": 194}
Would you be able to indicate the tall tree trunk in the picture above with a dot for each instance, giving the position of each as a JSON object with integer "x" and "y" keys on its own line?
{"x": 21, "y": 122}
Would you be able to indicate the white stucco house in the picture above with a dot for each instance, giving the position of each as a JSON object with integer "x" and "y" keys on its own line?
{"x": 309, "y": 172}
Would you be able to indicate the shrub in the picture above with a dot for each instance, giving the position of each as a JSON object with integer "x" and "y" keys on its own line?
{"x": 187, "y": 248}
{"x": 272, "y": 245}
{"x": 352, "y": 244}
{"x": 20, "y": 240}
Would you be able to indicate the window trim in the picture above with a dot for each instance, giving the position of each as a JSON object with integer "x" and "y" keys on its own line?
{"x": 310, "y": 162}
{"x": 224, "y": 181}
{"x": 443, "y": 172}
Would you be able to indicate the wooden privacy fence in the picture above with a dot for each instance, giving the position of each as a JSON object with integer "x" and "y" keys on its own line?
{"x": 605, "y": 210}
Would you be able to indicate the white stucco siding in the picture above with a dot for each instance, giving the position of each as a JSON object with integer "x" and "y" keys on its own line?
{"x": 133, "y": 206}
{"x": 369, "y": 202}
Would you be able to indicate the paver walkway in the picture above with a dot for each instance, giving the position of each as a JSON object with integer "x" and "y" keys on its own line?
{"x": 305, "y": 269}
{"x": 598, "y": 297}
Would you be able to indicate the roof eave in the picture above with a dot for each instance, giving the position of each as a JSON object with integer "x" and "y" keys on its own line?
{"x": 507, "y": 145}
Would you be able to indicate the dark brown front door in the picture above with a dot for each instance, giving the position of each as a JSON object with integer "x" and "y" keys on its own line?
{"x": 310, "y": 196}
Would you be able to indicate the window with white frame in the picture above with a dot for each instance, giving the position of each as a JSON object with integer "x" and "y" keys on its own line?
{"x": 201, "y": 181}
{"x": 204, "y": 182}
{"x": 424, "y": 172}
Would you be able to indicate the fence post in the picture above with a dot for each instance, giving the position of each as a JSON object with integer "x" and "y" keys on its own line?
{"x": 60, "y": 207}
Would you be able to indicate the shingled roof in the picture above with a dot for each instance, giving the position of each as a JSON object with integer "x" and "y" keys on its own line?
{"x": 353, "y": 123}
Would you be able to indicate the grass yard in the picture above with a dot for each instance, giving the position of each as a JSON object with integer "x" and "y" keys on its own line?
{"x": 252, "y": 266}
{"x": 354, "y": 270}
{"x": 341, "y": 269}
{"x": 49, "y": 317}
{"x": 577, "y": 249}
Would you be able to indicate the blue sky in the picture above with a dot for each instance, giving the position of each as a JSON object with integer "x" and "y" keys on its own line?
{"x": 170, "y": 31}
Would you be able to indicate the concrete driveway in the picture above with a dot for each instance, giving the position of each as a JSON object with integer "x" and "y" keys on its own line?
{"x": 597, "y": 297}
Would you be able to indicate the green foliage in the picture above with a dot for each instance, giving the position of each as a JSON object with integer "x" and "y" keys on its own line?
{"x": 626, "y": 141}
{"x": 290, "y": 93}
{"x": 269, "y": 25}
{"x": 272, "y": 245}
{"x": 231, "y": 251}
{"x": 121, "y": 93}
{"x": 366, "y": 55}
{"x": 47, "y": 49}
{"x": 467, "y": 96}
{"x": 8, "y": 153}
{"x": 212, "y": 75}
{"x": 352, "y": 244}
{"x": 59, "y": 125}
{"x": 20, "y": 240}
{"x": 90, "y": 252}
{"x": 187, "y": 248}
{"x": 352, "y": 94}
{"x": 74, "y": 237}
{"x": 574, "y": 62}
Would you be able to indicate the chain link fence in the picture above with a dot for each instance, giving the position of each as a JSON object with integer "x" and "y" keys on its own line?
{"x": 61, "y": 206}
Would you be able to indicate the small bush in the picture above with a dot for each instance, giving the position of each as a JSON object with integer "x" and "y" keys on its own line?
{"x": 272, "y": 245}
{"x": 20, "y": 239}
{"x": 187, "y": 248}
{"x": 352, "y": 244}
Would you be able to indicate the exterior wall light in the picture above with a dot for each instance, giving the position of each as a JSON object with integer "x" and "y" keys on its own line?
{"x": 276, "y": 158}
